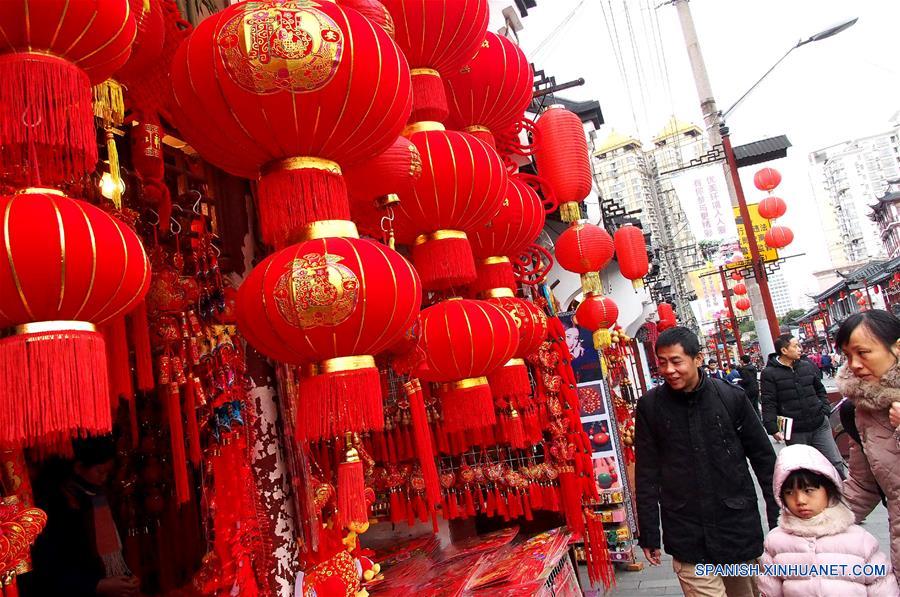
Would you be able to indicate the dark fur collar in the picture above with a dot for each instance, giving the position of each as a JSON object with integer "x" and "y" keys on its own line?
{"x": 870, "y": 395}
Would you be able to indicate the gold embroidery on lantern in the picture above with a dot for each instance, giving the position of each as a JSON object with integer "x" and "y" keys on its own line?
{"x": 316, "y": 290}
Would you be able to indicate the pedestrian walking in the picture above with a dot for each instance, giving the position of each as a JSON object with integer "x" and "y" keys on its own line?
{"x": 791, "y": 388}
{"x": 693, "y": 438}
{"x": 712, "y": 368}
{"x": 870, "y": 342}
{"x": 816, "y": 529}
{"x": 826, "y": 365}
{"x": 749, "y": 381}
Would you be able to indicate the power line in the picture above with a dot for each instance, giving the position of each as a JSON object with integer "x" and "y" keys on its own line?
{"x": 558, "y": 28}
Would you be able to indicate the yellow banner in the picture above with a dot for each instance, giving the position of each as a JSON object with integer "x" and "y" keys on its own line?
{"x": 760, "y": 227}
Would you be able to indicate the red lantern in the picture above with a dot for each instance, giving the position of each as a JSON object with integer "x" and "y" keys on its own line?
{"x": 562, "y": 157}
{"x": 737, "y": 276}
{"x": 584, "y": 248}
{"x": 740, "y": 289}
{"x": 631, "y": 250}
{"x": 772, "y": 208}
{"x": 462, "y": 185}
{"x": 69, "y": 266}
{"x": 331, "y": 303}
{"x": 149, "y": 38}
{"x": 742, "y": 303}
{"x": 861, "y": 301}
{"x": 437, "y": 37}
{"x": 491, "y": 90}
{"x": 778, "y": 237}
{"x": 373, "y": 10}
{"x": 515, "y": 226}
{"x": 257, "y": 104}
{"x": 767, "y": 179}
{"x": 823, "y": 305}
{"x": 512, "y": 378}
{"x": 464, "y": 341}
{"x": 597, "y": 314}
{"x": 52, "y": 53}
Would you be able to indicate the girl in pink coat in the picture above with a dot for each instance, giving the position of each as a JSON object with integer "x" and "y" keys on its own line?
{"x": 816, "y": 550}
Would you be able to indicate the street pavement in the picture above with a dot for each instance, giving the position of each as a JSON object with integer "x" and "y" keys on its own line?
{"x": 661, "y": 580}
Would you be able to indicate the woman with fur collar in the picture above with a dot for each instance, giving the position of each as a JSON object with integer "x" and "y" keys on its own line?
{"x": 870, "y": 377}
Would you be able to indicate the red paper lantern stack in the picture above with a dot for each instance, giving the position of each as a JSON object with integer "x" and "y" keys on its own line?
{"x": 772, "y": 208}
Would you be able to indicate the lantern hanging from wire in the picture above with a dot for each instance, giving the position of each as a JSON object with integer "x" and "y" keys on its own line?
{"x": 631, "y": 251}
{"x": 597, "y": 313}
{"x": 742, "y": 303}
{"x": 767, "y": 179}
{"x": 740, "y": 289}
{"x": 585, "y": 249}
{"x": 737, "y": 276}
{"x": 772, "y": 208}
{"x": 778, "y": 237}
{"x": 562, "y": 159}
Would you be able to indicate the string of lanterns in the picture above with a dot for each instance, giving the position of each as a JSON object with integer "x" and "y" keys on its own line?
{"x": 772, "y": 208}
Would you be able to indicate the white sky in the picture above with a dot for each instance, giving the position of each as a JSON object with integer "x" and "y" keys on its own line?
{"x": 824, "y": 93}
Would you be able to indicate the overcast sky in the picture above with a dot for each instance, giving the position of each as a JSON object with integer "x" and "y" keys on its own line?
{"x": 824, "y": 93}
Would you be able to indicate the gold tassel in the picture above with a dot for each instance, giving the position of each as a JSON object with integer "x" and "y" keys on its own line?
{"x": 637, "y": 284}
{"x": 602, "y": 339}
{"x": 114, "y": 173}
{"x": 591, "y": 284}
{"x": 570, "y": 211}
{"x": 146, "y": 6}
{"x": 109, "y": 102}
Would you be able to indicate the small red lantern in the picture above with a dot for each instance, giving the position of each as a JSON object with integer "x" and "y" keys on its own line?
{"x": 597, "y": 314}
{"x": 740, "y": 289}
{"x": 737, "y": 276}
{"x": 778, "y": 237}
{"x": 69, "y": 266}
{"x": 823, "y": 305}
{"x": 562, "y": 157}
{"x": 767, "y": 179}
{"x": 772, "y": 208}
{"x": 631, "y": 250}
{"x": 583, "y": 248}
{"x": 464, "y": 341}
{"x": 861, "y": 301}
{"x": 742, "y": 303}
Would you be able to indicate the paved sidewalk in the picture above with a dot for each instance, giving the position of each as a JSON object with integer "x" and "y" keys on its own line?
{"x": 661, "y": 580}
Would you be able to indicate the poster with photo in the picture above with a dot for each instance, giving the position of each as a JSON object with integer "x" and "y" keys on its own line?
{"x": 585, "y": 359}
{"x": 598, "y": 432}
{"x": 590, "y": 400}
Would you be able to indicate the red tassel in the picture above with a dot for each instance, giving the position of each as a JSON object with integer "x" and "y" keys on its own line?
{"x": 535, "y": 496}
{"x": 176, "y": 437}
{"x": 493, "y": 275}
{"x": 510, "y": 380}
{"x": 444, "y": 263}
{"x": 422, "y": 435}
{"x": 468, "y": 408}
{"x": 526, "y": 506}
{"x": 396, "y": 513}
{"x": 391, "y": 448}
{"x": 596, "y": 552}
{"x": 12, "y": 589}
{"x": 500, "y": 504}
{"x": 140, "y": 341}
{"x": 45, "y": 107}
{"x": 55, "y": 385}
{"x": 421, "y": 508}
{"x": 379, "y": 449}
{"x": 119, "y": 368}
{"x": 515, "y": 432}
{"x": 429, "y": 98}
{"x": 330, "y": 404}
{"x": 410, "y": 511}
{"x": 193, "y": 430}
{"x": 351, "y": 490}
{"x": 289, "y": 199}
{"x": 491, "y": 505}
{"x": 551, "y": 497}
{"x": 470, "y": 502}
{"x": 570, "y": 496}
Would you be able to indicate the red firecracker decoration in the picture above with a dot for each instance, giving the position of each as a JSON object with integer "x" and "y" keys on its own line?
{"x": 742, "y": 303}
{"x": 772, "y": 208}
{"x": 464, "y": 341}
{"x": 52, "y": 53}
{"x": 631, "y": 250}
{"x": 598, "y": 314}
{"x": 563, "y": 159}
{"x": 740, "y": 289}
{"x": 291, "y": 114}
{"x": 331, "y": 304}
{"x": 69, "y": 266}
{"x": 434, "y": 48}
{"x": 767, "y": 179}
{"x": 491, "y": 90}
{"x": 778, "y": 237}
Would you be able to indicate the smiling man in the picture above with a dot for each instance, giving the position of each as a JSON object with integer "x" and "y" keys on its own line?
{"x": 693, "y": 437}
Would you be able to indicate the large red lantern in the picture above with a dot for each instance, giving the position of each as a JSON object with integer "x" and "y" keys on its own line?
{"x": 585, "y": 249}
{"x": 531, "y": 323}
{"x": 373, "y": 10}
{"x": 464, "y": 341}
{"x": 491, "y": 90}
{"x": 149, "y": 37}
{"x": 772, "y": 208}
{"x": 631, "y": 250}
{"x": 742, "y": 303}
{"x": 69, "y": 266}
{"x": 598, "y": 314}
{"x": 767, "y": 179}
{"x": 437, "y": 37}
{"x": 290, "y": 93}
{"x": 52, "y": 53}
{"x": 778, "y": 237}
{"x": 740, "y": 289}
{"x": 462, "y": 185}
{"x": 562, "y": 157}
{"x": 331, "y": 304}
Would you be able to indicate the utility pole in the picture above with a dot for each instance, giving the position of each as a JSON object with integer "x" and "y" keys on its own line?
{"x": 765, "y": 329}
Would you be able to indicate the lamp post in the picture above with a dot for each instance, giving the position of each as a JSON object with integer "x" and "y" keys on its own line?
{"x": 763, "y": 310}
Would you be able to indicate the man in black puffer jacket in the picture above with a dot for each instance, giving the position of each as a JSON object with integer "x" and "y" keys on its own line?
{"x": 791, "y": 388}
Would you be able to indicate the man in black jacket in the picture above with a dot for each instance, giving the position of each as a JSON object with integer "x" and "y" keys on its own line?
{"x": 791, "y": 388}
{"x": 693, "y": 437}
{"x": 749, "y": 381}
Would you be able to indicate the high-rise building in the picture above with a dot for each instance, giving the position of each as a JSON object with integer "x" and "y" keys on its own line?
{"x": 782, "y": 298}
{"x": 847, "y": 179}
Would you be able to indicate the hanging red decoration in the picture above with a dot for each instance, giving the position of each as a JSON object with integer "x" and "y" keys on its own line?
{"x": 331, "y": 304}
{"x": 778, "y": 237}
{"x": 462, "y": 185}
{"x": 290, "y": 114}
{"x": 464, "y": 341}
{"x": 631, "y": 250}
{"x": 666, "y": 315}
{"x": 772, "y": 208}
{"x": 585, "y": 249}
{"x": 742, "y": 303}
{"x": 737, "y": 276}
{"x": 740, "y": 289}
{"x": 598, "y": 314}
{"x": 373, "y": 10}
{"x": 767, "y": 179}
{"x": 491, "y": 90}
{"x": 69, "y": 266}
{"x": 149, "y": 38}
{"x": 563, "y": 159}
{"x": 52, "y": 53}
{"x": 434, "y": 48}
{"x": 531, "y": 324}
